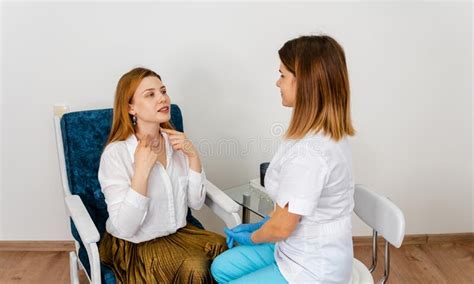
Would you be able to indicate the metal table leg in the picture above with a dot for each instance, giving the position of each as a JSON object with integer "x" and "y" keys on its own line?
{"x": 245, "y": 210}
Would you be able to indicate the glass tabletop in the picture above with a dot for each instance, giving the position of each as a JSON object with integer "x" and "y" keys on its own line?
{"x": 251, "y": 198}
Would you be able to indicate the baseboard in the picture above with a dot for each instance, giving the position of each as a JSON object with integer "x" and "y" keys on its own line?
{"x": 37, "y": 246}
{"x": 421, "y": 239}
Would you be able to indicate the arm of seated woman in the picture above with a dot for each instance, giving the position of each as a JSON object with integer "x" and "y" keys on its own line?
{"x": 280, "y": 226}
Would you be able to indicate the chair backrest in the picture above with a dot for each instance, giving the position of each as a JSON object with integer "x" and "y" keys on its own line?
{"x": 381, "y": 214}
{"x": 84, "y": 134}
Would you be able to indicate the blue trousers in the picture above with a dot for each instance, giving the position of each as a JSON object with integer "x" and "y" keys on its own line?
{"x": 247, "y": 264}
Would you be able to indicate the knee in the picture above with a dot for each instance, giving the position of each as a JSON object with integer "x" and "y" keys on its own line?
{"x": 220, "y": 268}
{"x": 194, "y": 270}
{"x": 199, "y": 265}
{"x": 215, "y": 248}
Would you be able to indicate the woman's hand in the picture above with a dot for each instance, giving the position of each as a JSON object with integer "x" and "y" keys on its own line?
{"x": 179, "y": 141}
{"x": 243, "y": 232}
{"x": 251, "y": 227}
{"x": 242, "y": 238}
{"x": 146, "y": 154}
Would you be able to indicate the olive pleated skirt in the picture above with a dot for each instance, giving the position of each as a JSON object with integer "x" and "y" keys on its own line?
{"x": 182, "y": 257}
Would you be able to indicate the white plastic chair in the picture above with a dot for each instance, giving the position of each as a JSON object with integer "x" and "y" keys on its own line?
{"x": 386, "y": 219}
{"x": 224, "y": 207}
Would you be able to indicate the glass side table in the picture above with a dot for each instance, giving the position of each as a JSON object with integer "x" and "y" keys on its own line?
{"x": 252, "y": 199}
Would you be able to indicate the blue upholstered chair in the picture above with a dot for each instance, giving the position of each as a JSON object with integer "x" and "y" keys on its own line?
{"x": 81, "y": 137}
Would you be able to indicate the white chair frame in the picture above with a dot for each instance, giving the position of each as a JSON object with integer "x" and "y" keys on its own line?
{"x": 386, "y": 219}
{"x": 221, "y": 204}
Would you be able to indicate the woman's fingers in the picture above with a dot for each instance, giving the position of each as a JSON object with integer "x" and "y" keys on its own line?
{"x": 185, "y": 145}
{"x": 178, "y": 141}
{"x": 174, "y": 141}
{"x": 170, "y": 131}
{"x": 177, "y": 136}
{"x": 177, "y": 145}
{"x": 174, "y": 135}
{"x": 229, "y": 232}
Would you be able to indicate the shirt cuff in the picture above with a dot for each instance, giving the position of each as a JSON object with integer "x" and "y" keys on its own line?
{"x": 196, "y": 178}
{"x": 136, "y": 199}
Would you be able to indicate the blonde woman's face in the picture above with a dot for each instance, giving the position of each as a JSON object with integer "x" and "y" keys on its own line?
{"x": 287, "y": 85}
{"x": 150, "y": 103}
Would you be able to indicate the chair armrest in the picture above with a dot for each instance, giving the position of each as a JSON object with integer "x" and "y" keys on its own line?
{"x": 221, "y": 199}
{"x": 81, "y": 218}
{"x": 222, "y": 205}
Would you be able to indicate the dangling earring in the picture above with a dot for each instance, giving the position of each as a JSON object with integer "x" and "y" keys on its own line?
{"x": 134, "y": 120}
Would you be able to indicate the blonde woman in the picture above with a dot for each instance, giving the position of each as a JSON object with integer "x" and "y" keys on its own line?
{"x": 307, "y": 238}
{"x": 150, "y": 174}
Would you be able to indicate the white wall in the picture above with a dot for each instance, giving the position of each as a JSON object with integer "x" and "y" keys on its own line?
{"x": 410, "y": 70}
{"x": 1, "y": 132}
{"x": 472, "y": 123}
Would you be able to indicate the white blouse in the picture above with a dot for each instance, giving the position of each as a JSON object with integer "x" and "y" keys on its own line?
{"x": 138, "y": 218}
{"x": 314, "y": 177}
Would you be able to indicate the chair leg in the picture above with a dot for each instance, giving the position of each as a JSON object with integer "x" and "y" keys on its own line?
{"x": 386, "y": 268}
{"x": 74, "y": 274}
{"x": 374, "y": 251}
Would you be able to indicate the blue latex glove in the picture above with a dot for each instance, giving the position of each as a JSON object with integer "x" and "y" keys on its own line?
{"x": 229, "y": 240}
{"x": 243, "y": 238}
{"x": 252, "y": 227}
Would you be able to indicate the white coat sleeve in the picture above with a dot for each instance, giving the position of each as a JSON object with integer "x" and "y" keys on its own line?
{"x": 302, "y": 179}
